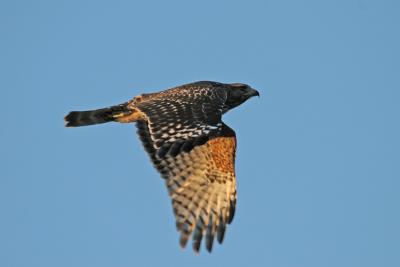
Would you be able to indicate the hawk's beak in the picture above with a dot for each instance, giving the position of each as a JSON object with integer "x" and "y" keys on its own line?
{"x": 254, "y": 92}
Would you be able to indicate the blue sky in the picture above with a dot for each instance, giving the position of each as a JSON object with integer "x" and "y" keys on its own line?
{"x": 318, "y": 154}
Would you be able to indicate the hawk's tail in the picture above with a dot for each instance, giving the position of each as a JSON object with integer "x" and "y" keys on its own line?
{"x": 120, "y": 113}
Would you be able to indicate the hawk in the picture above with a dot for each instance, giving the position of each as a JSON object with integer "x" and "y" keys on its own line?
{"x": 194, "y": 151}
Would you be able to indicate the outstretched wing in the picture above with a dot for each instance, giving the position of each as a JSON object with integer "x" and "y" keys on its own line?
{"x": 201, "y": 183}
{"x": 194, "y": 151}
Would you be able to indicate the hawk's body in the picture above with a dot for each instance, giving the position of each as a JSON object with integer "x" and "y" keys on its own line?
{"x": 182, "y": 131}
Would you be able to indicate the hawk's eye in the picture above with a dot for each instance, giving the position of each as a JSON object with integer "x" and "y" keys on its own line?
{"x": 244, "y": 87}
{"x": 240, "y": 86}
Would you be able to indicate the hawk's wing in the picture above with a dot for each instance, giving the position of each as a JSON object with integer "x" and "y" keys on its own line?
{"x": 183, "y": 119}
{"x": 202, "y": 185}
{"x": 195, "y": 153}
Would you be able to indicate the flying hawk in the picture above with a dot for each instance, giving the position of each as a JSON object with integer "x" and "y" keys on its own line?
{"x": 194, "y": 151}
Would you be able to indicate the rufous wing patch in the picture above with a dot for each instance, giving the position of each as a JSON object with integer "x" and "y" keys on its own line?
{"x": 223, "y": 153}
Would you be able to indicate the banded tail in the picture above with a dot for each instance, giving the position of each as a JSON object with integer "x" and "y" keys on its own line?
{"x": 121, "y": 113}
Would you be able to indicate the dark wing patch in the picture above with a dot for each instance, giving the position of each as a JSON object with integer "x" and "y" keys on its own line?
{"x": 179, "y": 120}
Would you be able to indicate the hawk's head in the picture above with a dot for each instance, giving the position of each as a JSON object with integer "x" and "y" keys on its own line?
{"x": 237, "y": 93}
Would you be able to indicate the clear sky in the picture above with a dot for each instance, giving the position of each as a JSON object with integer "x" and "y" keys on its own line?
{"x": 318, "y": 162}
